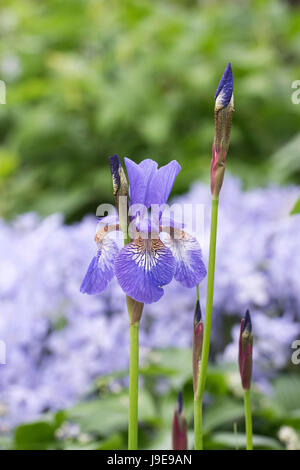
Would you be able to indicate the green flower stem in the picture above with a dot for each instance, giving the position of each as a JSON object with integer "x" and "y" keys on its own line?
{"x": 207, "y": 325}
{"x": 198, "y": 423}
{"x": 198, "y": 404}
{"x": 133, "y": 387}
{"x": 197, "y": 293}
{"x": 248, "y": 418}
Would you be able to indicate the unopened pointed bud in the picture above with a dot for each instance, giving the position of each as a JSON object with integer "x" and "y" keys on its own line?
{"x": 224, "y": 91}
{"x": 245, "y": 351}
{"x": 120, "y": 184}
{"x": 197, "y": 343}
{"x": 120, "y": 190}
{"x": 223, "y": 121}
{"x": 179, "y": 429}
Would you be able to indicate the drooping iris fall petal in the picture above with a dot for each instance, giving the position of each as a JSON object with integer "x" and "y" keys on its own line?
{"x": 101, "y": 269}
{"x": 189, "y": 267}
{"x": 142, "y": 267}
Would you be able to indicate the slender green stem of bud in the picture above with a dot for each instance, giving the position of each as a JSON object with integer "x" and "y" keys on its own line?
{"x": 198, "y": 423}
{"x": 210, "y": 293}
{"x": 207, "y": 323}
{"x": 197, "y": 400}
{"x": 133, "y": 387}
{"x": 248, "y": 419}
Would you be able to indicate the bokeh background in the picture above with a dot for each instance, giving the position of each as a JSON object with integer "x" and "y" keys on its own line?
{"x": 86, "y": 79}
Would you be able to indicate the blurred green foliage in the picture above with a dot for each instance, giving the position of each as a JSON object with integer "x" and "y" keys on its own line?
{"x": 100, "y": 421}
{"x": 89, "y": 78}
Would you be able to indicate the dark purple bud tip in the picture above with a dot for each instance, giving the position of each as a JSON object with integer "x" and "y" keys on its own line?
{"x": 197, "y": 313}
{"x": 225, "y": 89}
{"x": 180, "y": 403}
{"x": 115, "y": 164}
{"x": 247, "y": 324}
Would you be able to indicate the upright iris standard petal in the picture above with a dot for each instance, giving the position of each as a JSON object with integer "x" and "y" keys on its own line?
{"x": 189, "y": 269}
{"x": 101, "y": 269}
{"x": 139, "y": 177}
{"x": 142, "y": 267}
{"x": 161, "y": 184}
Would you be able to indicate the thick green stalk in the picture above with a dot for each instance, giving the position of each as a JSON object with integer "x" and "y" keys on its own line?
{"x": 207, "y": 324}
{"x": 248, "y": 419}
{"x": 133, "y": 387}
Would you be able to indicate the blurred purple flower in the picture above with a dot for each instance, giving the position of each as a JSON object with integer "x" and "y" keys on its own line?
{"x": 59, "y": 341}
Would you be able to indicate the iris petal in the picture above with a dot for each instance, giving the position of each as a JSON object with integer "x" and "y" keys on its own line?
{"x": 101, "y": 269}
{"x": 142, "y": 267}
{"x": 161, "y": 184}
{"x": 189, "y": 268}
{"x": 139, "y": 177}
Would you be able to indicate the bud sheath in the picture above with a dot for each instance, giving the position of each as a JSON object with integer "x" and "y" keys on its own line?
{"x": 135, "y": 310}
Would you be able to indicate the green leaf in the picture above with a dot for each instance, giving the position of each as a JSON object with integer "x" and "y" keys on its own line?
{"x": 35, "y": 436}
{"x": 221, "y": 412}
{"x": 238, "y": 441}
{"x": 112, "y": 442}
{"x": 115, "y": 441}
{"x": 287, "y": 392}
{"x": 109, "y": 414}
{"x": 175, "y": 363}
{"x": 296, "y": 208}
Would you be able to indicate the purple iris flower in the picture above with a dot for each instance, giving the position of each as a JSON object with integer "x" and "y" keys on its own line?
{"x": 159, "y": 250}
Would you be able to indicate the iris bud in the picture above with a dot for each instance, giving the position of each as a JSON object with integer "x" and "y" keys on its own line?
{"x": 120, "y": 190}
{"x": 179, "y": 430}
{"x": 223, "y": 121}
{"x": 120, "y": 184}
{"x": 245, "y": 351}
{"x": 197, "y": 344}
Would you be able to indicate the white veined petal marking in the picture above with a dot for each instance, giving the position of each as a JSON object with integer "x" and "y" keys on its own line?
{"x": 190, "y": 269}
{"x": 179, "y": 242}
{"x": 107, "y": 251}
{"x": 146, "y": 253}
{"x": 181, "y": 247}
